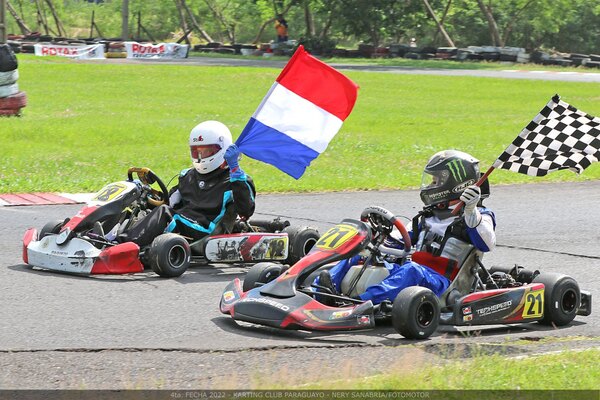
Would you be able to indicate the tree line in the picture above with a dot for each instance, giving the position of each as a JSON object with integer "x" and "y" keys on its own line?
{"x": 562, "y": 25}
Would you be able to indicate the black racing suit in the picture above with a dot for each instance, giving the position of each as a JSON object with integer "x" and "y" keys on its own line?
{"x": 198, "y": 204}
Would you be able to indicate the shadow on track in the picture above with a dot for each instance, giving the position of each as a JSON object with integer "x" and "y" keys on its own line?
{"x": 196, "y": 274}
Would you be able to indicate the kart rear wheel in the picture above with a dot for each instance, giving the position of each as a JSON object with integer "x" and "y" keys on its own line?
{"x": 300, "y": 241}
{"x": 169, "y": 255}
{"x": 261, "y": 273}
{"x": 416, "y": 313}
{"x": 52, "y": 227}
{"x": 561, "y": 298}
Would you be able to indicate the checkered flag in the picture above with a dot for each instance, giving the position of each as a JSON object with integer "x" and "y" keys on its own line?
{"x": 559, "y": 137}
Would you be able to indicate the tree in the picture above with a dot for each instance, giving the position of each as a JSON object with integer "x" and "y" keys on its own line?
{"x": 195, "y": 23}
{"x": 24, "y": 28}
{"x": 487, "y": 11}
{"x": 125, "y": 20}
{"x": 438, "y": 23}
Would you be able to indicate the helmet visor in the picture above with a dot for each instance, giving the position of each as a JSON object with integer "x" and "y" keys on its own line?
{"x": 434, "y": 179}
{"x": 204, "y": 151}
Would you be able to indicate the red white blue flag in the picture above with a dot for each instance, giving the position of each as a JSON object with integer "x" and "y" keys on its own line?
{"x": 301, "y": 113}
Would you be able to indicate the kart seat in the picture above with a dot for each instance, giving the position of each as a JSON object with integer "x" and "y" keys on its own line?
{"x": 463, "y": 282}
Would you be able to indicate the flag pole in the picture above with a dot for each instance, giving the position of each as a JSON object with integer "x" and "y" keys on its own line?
{"x": 478, "y": 183}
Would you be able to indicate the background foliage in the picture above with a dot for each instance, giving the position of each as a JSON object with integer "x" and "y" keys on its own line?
{"x": 564, "y": 25}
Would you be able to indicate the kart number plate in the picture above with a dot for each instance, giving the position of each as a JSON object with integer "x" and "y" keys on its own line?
{"x": 336, "y": 236}
{"x": 109, "y": 192}
{"x": 534, "y": 304}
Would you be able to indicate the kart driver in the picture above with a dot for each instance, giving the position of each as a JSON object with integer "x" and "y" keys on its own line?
{"x": 205, "y": 194}
{"x": 442, "y": 239}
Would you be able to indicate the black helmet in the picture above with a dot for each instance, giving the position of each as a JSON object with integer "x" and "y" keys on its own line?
{"x": 446, "y": 175}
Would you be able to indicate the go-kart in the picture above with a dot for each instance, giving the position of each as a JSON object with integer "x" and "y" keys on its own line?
{"x": 289, "y": 299}
{"x": 82, "y": 244}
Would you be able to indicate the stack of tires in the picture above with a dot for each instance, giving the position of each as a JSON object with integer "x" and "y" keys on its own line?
{"x": 11, "y": 99}
{"x": 116, "y": 50}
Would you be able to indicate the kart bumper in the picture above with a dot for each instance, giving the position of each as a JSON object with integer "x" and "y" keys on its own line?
{"x": 585, "y": 306}
{"x": 298, "y": 312}
{"x": 78, "y": 256}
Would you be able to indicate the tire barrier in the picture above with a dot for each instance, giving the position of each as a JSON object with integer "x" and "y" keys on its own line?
{"x": 9, "y": 77}
{"x": 11, "y": 99}
{"x": 116, "y": 50}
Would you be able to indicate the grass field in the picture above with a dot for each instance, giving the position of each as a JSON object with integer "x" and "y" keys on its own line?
{"x": 86, "y": 123}
{"x": 569, "y": 370}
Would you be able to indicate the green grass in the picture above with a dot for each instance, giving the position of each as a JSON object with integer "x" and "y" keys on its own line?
{"x": 86, "y": 123}
{"x": 570, "y": 370}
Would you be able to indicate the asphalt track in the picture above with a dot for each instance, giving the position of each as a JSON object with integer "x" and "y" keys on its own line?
{"x": 140, "y": 331}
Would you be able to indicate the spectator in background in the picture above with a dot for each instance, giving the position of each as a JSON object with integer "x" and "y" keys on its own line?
{"x": 281, "y": 27}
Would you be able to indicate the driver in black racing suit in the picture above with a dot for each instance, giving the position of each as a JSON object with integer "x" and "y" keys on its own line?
{"x": 205, "y": 195}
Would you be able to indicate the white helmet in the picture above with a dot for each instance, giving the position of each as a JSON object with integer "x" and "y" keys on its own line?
{"x": 208, "y": 142}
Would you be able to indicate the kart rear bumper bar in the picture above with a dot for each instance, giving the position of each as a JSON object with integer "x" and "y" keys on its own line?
{"x": 585, "y": 307}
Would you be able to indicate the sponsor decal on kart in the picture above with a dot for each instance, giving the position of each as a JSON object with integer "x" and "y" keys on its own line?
{"x": 466, "y": 310}
{"x": 364, "y": 319}
{"x": 481, "y": 312}
{"x": 340, "y": 314}
{"x": 467, "y": 318}
{"x": 534, "y": 304}
{"x": 336, "y": 236}
{"x": 268, "y": 302}
{"x": 228, "y": 296}
{"x": 247, "y": 247}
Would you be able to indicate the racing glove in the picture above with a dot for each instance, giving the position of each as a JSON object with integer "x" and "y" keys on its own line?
{"x": 232, "y": 155}
{"x": 471, "y": 197}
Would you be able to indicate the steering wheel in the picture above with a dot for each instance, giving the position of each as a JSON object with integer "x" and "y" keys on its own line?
{"x": 147, "y": 177}
{"x": 383, "y": 221}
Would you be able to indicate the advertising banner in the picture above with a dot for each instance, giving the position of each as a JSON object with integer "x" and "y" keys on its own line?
{"x": 95, "y": 51}
{"x": 161, "y": 50}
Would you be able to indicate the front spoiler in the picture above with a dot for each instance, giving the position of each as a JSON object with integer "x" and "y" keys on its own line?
{"x": 297, "y": 312}
{"x": 77, "y": 256}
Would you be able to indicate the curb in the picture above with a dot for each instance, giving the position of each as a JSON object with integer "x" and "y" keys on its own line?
{"x": 38, "y": 199}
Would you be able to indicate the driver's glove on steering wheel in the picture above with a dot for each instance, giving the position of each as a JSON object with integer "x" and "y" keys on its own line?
{"x": 471, "y": 197}
{"x": 393, "y": 243}
{"x": 232, "y": 155}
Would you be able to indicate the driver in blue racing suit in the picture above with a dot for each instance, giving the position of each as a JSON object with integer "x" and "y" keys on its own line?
{"x": 442, "y": 239}
{"x": 201, "y": 199}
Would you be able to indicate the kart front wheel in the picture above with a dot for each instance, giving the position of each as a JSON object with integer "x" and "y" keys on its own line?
{"x": 52, "y": 227}
{"x": 261, "y": 273}
{"x": 561, "y": 298}
{"x": 301, "y": 240}
{"x": 416, "y": 313}
{"x": 169, "y": 255}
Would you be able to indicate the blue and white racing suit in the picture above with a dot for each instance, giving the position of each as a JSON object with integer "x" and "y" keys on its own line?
{"x": 449, "y": 239}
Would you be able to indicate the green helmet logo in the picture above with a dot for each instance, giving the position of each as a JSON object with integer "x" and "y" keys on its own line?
{"x": 457, "y": 169}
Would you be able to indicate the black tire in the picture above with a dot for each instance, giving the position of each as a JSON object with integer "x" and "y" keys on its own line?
{"x": 52, "y": 227}
{"x": 9, "y": 77}
{"x": 263, "y": 272}
{"x": 169, "y": 255}
{"x": 561, "y": 298}
{"x": 300, "y": 241}
{"x": 16, "y": 101}
{"x": 9, "y": 90}
{"x": 416, "y": 313}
